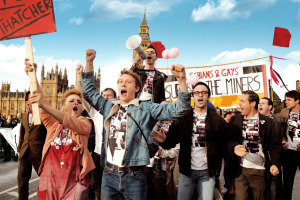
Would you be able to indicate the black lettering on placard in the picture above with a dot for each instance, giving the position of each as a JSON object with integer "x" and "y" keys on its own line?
{"x": 216, "y": 86}
{"x": 22, "y": 17}
{"x": 168, "y": 91}
{"x": 258, "y": 88}
{"x": 233, "y": 86}
{"x": 229, "y": 86}
{"x": 176, "y": 90}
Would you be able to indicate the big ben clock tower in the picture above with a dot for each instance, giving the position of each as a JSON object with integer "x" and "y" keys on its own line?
{"x": 144, "y": 34}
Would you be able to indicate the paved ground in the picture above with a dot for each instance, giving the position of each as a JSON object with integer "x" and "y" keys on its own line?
{"x": 8, "y": 181}
{"x": 9, "y": 190}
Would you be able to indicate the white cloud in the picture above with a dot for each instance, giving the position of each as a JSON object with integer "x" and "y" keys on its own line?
{"x": 234, "y": 56}
{"x": 288, "y": 78}
{"x": 111, "y": 10}
{"x": 63, "y": 5}
{"x": 12, "y": 68}
{"x": 295, "y": 55}
{"x": 77, "y": 21}
{"x": 228, "y": 9}
{"x": 211, "y": 12}
{"x": 114, "y": 68}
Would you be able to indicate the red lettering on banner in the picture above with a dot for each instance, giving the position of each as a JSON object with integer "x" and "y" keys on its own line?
{"x": 229, "y": 72}
{"x": 20, "y": 18}
{"x": 204, "y": 74}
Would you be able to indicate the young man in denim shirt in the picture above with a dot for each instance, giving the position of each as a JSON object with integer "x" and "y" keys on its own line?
{"x": 125, "y": 152}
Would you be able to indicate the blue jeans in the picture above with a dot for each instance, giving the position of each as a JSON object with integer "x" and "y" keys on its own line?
{"x": 199, "y": 178}
{"x": 123, "y": 185}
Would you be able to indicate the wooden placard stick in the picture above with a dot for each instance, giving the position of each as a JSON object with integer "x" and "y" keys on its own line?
{"x": 32, "y": 80}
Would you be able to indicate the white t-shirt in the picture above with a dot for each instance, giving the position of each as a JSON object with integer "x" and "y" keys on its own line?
{"x": 293, "y": 131}
{"x": 147, "y": 91}
{"x": 30, "y": 119}
{"x": 98, "y": 124}
{"x": 255, "y": 157}
{"x": 198, "y": 152}
{"x": 117, "y": 136}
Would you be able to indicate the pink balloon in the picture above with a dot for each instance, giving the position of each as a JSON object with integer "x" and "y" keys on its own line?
{"x": 192, "y": 79}
{"x": 165, "y": 54}
{"x": 173, "y": 53}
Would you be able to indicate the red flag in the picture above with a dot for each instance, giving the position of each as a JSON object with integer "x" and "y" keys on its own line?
{"x": 159, "y": 48}
{"x": 282, "y": 37}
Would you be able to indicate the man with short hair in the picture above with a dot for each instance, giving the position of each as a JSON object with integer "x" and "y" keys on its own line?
{"x": 109, "y": 93}
{"x": 265, "y": 107}
{"x": 256, "y": 149}
{"x": 125, "y": 152}
{"x": 153, "y": 81}
{"x": 291, "y": 142}
{"x": 202, "y": 134}
{"x": 31, "y": 141}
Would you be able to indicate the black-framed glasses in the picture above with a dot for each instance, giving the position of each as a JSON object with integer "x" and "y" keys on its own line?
{"x": 202, "y": 93}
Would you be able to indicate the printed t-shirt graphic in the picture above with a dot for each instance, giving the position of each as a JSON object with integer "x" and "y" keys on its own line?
{"x": 147, "y": 90}
{"x": 117, "y": 136}
{"x": 293, "y": 131}
{"x": 252, "y": 143}
{"x": 65, "y": 140}
{"x": 198, "y": 153}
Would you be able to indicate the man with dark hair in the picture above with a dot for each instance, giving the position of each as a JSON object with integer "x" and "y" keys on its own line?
{"x": 291, "y": 142}
{"x": 109, "y": 93}
{"x": 219, "y": 111}
{"x": 153, "y": 81}
{"x": 265, "y": 107}
{"x": 202, "y": 135}
{"x": 256, "y": 150}
{"x": 125, "y": 152}
{"x": 228, "y": 115}
{"x": 31, "y": 142}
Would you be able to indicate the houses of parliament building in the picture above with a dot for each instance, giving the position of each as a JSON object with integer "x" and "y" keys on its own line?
{"x": 54, "y": 84}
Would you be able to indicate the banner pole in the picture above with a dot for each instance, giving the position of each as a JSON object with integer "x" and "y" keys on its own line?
{"x": 32, "y": 80}
{"x": 271, "y": 84}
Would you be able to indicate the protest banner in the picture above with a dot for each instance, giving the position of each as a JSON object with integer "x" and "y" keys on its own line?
{"x": 11, "y": 136}
{"x": 227, "y": 82}
{"x": 20, "y": 18}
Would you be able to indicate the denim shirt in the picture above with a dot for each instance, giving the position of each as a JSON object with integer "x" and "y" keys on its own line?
{"x": 145, "y": 113}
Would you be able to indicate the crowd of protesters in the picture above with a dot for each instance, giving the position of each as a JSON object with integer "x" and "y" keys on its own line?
{"x": 135, "y": 144}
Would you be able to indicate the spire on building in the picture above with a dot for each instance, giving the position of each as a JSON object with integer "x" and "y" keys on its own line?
{"x": 144, "y": 34}
{"x": 144, "y": 22}
{"x": 65, "y": 72}
{"x": 56, "y": 72}
{"x": 42, "y": 71}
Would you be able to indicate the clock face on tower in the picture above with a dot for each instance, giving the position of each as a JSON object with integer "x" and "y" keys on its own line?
{"x": 48, "y": 89}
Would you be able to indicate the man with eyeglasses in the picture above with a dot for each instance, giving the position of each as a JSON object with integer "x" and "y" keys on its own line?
{"x": 202, "y": 135}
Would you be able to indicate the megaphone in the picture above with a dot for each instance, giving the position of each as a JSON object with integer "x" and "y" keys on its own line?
{"x": 134, "y": 42}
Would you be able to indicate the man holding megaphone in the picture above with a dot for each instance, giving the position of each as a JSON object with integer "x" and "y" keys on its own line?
{"x": 153, "y": 81}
